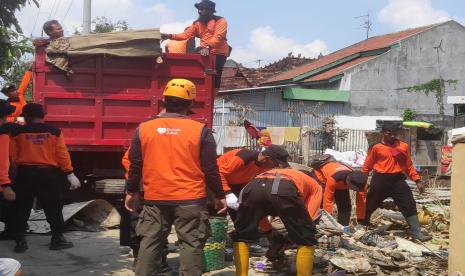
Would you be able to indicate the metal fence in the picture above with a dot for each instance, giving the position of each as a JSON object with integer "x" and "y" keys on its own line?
{"x": 339, "y": 140}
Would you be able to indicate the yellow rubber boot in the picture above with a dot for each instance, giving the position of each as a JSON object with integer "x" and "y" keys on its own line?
{"x": 241, "y": 258}
{"x": 304, "y": 260}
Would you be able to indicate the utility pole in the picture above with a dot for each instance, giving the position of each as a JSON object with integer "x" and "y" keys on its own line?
{"x": 366, "y": 24}
{"x": 86, "y": 17}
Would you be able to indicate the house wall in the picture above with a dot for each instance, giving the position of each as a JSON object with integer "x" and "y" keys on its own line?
{"x": 375, "y": 85}
{"x": 268, "y": 108}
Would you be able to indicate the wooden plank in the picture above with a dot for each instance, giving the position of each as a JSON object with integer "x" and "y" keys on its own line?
{"x": 457, "y": 226}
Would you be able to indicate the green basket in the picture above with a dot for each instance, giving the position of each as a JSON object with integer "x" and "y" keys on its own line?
{"x": 219, "y": 227}
{"x": 213, "y": 252}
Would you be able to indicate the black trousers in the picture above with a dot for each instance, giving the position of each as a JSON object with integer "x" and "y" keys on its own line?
{"x": 258, "y": 202}
{"x": 385, "y": 185}
{"x": 220, "y": 60}
{"x": 344, "y": 206}
{"x": 46, "y": 184}
{"x": 127, "y": 230}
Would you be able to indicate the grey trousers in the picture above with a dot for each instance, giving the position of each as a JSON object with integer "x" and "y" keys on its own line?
{"x": 154, "y": 226}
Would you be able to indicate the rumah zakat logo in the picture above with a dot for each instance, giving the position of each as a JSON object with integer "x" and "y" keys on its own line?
{"x": 168, "y": 131}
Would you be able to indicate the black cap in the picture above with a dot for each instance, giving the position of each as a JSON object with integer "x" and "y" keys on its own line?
{"x": 279, "y": 154}
{"x": 206, "y": 4}
{"x": 358, "y": 179}
{"x": 389, "y": 125}
{"x": 7, "y": 88}
{"x": 6, "y": 108}
{"x": 34, "y": 110}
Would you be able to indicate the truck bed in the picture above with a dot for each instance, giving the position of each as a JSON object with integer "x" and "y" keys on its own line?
{"x": 100, "y": 107}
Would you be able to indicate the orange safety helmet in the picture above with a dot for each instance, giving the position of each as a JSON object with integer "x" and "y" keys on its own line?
{"x": 180, "y": 88}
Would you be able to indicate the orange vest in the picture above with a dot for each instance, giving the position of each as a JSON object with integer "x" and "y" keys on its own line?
{"x": 171, "y": 158}
{"x": 310, "y": 191}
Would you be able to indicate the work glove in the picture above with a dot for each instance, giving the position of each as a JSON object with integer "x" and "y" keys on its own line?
{"x": 232, "y": 201}
{"x": 75, "y": 183}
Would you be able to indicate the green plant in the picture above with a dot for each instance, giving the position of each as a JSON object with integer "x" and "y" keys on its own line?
{"x": 409, "y": 115}
{"x": 436, "y": 86}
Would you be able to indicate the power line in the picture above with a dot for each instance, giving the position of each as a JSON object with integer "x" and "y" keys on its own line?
{"x": 67, "y": 11}
{"x": 51, "y": 11}
{"x": 57, "y": 7}
{"x": 37, "y": 18}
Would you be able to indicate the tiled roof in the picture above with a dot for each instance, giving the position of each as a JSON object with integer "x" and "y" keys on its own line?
{"x": 338, "y": 70}
{"x": 241, "y": 77}
{"x": 373, "y": 43}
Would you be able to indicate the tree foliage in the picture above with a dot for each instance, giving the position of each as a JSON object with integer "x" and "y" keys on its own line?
{"x": 105, "y": 25}
{"x": 13, "y": 45}
{"x": 7, "y": 12}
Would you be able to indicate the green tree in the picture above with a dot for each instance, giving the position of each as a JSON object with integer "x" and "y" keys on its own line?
{"x": 105, "y": 25}
{"x": 13, "y": 45}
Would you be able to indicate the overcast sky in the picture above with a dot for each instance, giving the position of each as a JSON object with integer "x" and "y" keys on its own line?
{"x": 260, "y": 29}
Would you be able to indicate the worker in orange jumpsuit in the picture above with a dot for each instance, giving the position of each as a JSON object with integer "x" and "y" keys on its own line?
{"x": 337, "y": 179}
{"x": 175, "y": 158}
{"x": 391, "y": 162}
{"x": 40, "y": 154}
{"x": 16, "y": 96}
{"x": 238, "y": 167}
{"x": 212, "y": 32}
{"x": 291, "y": 195}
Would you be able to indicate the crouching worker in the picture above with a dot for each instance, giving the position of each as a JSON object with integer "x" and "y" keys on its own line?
{"x": 292, "y": 196}
{"x": 390, "y": 162}
{"x": 175, "y": 157}
{"x": 40, "y": 154}
{"x": 337, "y": 179}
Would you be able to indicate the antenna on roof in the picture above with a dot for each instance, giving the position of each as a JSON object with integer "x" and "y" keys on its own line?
{"x": 366, "y": 24}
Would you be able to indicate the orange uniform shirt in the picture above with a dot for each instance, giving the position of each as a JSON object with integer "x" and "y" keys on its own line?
{"x": 177, "y": 46}
{"x": 238, "y": 167}
{"x": 385, "y": 158}
{"x": 310, "y": 191}
{"x": 4, "y": 158}
{"x": 41, "y": 145}
{"x": 21, "y": 101}
{"x": 333, "y": 176}
{"x": 213, "y": 35}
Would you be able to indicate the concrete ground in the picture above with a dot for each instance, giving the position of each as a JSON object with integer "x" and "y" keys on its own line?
{"x": 95, "y": 253}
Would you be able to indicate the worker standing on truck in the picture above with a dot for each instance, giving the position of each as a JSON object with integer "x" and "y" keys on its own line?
{"x": 175, "y": 157}
{"x": 16, "y": 96}
{"x": 289, "y": 194}
{"x": 337, "y": 179}
{"x": 40, "y": 154}
{"x": 390, "y": 162}
{"x": 211, "y": 30}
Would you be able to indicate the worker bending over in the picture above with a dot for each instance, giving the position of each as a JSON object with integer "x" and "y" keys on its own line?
{"x": 238, "y": 167}
{"x": 337, "y": 179}
{"x": 175, "y": 157}
{"x": 40, "y": 154}
{"x": 289, "y": 194}
{"x": 211, "y": 30}
{"x": 390, "y": 162}
{"x": 16, "y": 96}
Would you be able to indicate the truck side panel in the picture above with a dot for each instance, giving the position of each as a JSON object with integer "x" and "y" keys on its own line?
{"x": 99, "y": 108}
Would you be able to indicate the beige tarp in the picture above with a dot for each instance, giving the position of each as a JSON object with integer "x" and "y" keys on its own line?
{"x": 140, "y": 43}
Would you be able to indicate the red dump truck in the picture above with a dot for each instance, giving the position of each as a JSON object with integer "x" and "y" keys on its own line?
{"x": 106, "y": 99}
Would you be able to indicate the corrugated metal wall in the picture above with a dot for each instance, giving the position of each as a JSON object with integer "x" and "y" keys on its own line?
{"x": 268, "y": 108}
